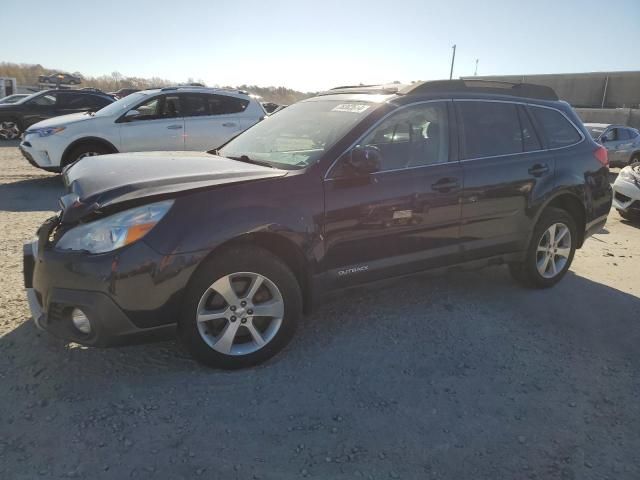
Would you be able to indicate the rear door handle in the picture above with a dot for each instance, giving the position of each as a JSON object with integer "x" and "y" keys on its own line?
{"x": 538, "y": 169}
{"x": 229, "y": 124}
{"x": 445, "y": 185}
{"x": 174, "y": 127}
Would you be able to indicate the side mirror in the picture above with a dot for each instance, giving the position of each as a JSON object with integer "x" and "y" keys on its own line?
{"x": 365, "y": 160}
{"x": 131, "y": 115}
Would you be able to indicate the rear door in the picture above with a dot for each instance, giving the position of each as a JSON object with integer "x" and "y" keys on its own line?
{"x": 40, "y": 108}
{"x": 212, "y": 119}
{"x": 504, "y": 166}
{"x": 405, "y": 217}
{"x": 158, "y": 126}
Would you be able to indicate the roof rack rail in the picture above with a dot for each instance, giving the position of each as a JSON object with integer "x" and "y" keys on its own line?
{"x": 371, "y": 89}
{"x": 524, "y": 90}
{"x": 177, "y": 87}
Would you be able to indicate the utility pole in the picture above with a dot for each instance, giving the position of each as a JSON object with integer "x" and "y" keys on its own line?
{"x": 453, "y": 59}
{"x": 475, "y": 74}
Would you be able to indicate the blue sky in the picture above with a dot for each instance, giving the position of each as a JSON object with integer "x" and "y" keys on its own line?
{"x": 316, "y": 45}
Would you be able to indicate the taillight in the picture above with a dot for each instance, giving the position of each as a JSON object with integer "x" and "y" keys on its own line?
{"x": 601, "y": 155}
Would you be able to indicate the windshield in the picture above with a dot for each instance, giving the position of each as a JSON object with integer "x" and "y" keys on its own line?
{"x": 595, "y": 132}
{"x": 298, "y": 135}
{"x": 122, "y": 105}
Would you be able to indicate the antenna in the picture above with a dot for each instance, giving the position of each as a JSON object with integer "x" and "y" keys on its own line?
{"x": 475, "y": 74}
{"x": 453, "y": 59}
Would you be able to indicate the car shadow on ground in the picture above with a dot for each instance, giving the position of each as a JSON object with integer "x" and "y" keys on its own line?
{"x": 36, "y": 194}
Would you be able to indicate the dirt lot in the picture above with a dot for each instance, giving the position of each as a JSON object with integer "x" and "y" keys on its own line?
{"x": 464, "y": 376}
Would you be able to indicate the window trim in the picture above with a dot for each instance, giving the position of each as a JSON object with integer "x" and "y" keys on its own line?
{"x": 545, "y": 148}
{"x": 446, "y": 101}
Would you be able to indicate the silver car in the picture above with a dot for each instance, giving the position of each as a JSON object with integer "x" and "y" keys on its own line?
{"x": 622, "y": 142}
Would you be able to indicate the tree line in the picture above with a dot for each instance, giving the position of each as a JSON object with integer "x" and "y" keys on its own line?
{"x": 27, "y": 75}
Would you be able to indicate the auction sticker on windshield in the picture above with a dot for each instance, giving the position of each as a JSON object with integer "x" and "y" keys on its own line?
{"x": 350, "y": 107}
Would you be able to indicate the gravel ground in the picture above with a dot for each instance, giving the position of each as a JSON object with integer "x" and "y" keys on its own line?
{"x": 463, "y": 376}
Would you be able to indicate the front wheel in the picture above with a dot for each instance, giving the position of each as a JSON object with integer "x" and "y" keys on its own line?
{"x": 242, "y": 307}
{"x": 90, "y": 149}
{"x": 550, "y": 251}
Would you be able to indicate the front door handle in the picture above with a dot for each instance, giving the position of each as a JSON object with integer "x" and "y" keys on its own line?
{"x": 445, "y": 185}
{"x": 538, "y": 169}
{"x": 229, "y": 124}
{"x": 174, "y": 127}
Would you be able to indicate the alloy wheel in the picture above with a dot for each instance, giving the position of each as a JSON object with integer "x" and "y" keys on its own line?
{"x": 9, "y": 130}
{"x": 554, "y": 249}
{"x": 240, "y": 313}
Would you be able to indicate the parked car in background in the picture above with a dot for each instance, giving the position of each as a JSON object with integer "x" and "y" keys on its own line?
{"x": 173, "y": 118}
{"x": 123, "y": 92}
{"x": 19, "y": 116}
{"x": 351, "y": 186}
{"x": 13, "y": 98}
{"x": 61, "y": 78}
{"x": 626, "y": 192}
{"x": 622, "y": 142}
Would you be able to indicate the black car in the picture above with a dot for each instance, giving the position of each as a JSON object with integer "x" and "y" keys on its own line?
{"x": 351, "y": 186}
{"x": 60, "y": 79}
{"x": 17, "y": 117}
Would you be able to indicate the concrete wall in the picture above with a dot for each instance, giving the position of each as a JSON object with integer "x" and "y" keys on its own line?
{"x": 587, "y": 90}
{"x": 622, "y": 116}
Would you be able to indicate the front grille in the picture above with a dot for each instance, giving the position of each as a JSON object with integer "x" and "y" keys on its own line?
{"x": 622, "y": 198}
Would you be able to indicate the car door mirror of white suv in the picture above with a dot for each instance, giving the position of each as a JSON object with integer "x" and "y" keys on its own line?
{"x": 131, "y": 115}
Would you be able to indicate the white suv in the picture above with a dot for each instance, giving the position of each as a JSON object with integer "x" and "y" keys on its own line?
{"x": 175, "y": 118}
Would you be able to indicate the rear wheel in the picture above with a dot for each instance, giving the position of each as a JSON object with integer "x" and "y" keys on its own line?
{"x": 91, "y": 149}
{"x": 242, "y": 307}
{"x": 550, "y": 251}
{"x": 9, "y": 130}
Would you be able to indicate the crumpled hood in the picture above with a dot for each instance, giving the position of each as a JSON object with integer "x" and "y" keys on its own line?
{"x": 97, "y": 182}
{"x": 62, "y": 120}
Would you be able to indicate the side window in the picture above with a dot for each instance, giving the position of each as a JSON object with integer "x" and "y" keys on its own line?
{"x": 149, "y": 110}
{"x": 194, "y": 105}
{"x": 98, "y": 102}
{"x": 634, "y": 133}
{"x": 611, "y": 135}
{"x": 224, "y": 105}
{"x": 171, "y": 107}
{"x": 530, "y": 142}
{"x": 623, "y": 134}
{"x": 558, "y": 131}
{"x": 46, "y": 100}
{"x": 415, "y": 136}
{"x": 159, "y": 107}
{"x": 490, "y": 129}
{"x": 75, "y": 100}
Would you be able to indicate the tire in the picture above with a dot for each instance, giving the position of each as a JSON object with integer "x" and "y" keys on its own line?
{"x": 10, "y": 129}
{"x": 634, "y": 159}
{"x": 554, "y": 264}
{"x": 89, "y": 149}
{"x": 218, "y": 337}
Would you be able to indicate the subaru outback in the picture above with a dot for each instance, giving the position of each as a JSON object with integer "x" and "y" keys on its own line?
{"x": 229, "y": 248}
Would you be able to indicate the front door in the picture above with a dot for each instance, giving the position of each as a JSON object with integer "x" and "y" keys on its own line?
{"x": 159, "y": 125}
{"x": 405, "y": 217}
{"x": 40, "y": 108}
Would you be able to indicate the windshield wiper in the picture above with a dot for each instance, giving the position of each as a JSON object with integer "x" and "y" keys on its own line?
{"x": 246, "y": 159}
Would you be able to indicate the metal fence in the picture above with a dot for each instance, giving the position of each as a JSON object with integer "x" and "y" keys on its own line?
{"x": 586, "y": 90}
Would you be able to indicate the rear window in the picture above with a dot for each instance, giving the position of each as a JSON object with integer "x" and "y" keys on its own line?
{"x": 490, "y": 129}
{"x": 558, "y": 131}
